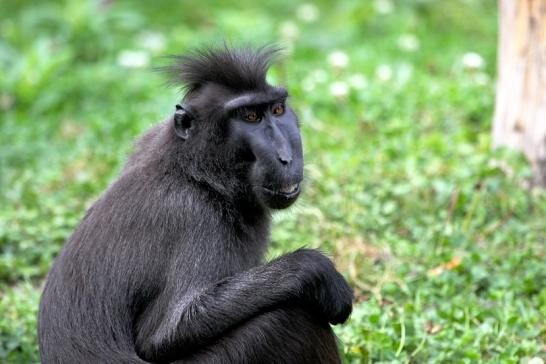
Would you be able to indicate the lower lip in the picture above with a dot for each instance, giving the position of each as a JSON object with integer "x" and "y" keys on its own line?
{"x": 282, "y": 194}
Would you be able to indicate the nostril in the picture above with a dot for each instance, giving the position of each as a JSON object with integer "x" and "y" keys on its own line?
{"x": 285, "y": 161}
{"x": 284, "y": 153}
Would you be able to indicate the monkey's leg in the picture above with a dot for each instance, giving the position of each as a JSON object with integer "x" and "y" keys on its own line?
{"x": 173, "y": 327}
{"x": 284, "y": 335}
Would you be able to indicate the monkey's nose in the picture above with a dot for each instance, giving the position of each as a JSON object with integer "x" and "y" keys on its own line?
{"x": 281, "y": 145}
{"x": 285, "y": 158}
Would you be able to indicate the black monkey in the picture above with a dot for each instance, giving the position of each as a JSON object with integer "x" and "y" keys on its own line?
{"x": 167, "y": 264}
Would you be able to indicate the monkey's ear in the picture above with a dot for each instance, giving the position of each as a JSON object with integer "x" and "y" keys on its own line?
{"x": 183, "y": 122}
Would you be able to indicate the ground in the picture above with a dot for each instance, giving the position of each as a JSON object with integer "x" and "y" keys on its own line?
{"x": 441, "y": 237}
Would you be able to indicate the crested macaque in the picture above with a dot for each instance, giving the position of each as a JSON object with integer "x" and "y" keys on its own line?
{"x": 167, "y": 265}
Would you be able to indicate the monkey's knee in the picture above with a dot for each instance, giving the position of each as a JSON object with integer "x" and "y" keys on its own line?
{"x": 293, "y": 335}
{"x": 284, "y": 335}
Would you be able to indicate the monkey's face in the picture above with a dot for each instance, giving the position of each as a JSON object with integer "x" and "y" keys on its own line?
{"x": 269, "y": 135}
{"x": 260, "y": 143}
{"x": 263, "y": 131}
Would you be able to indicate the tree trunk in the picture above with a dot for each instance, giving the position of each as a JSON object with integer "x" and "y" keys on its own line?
{"x": 520, "y": 110}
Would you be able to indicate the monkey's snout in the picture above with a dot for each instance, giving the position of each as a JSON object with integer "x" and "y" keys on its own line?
{"x": 290, "y": 188}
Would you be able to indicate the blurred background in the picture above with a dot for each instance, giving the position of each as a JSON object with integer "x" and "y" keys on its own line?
{"x": 445, "y": 249}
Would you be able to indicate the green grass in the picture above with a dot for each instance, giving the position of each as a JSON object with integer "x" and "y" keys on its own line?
{"x": 439, "y": 236}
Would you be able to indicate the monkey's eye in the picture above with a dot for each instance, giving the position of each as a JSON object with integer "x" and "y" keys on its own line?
{"x": 251, "y": 116}
{"x": 278, "y": 108}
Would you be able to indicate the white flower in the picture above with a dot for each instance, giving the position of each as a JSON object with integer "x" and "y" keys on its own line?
{"x": 319, "y": 75}
{"x": 338, "y": 59}
{"x": 383, "y": 6}
{"x": 408, "y": 42}
{"x": 404, "y": 72}
{"x": 339, "y": 89}
{"x": 384, "y": 72}
{"x": 535, "y": 360}
{"x": 153, "y": 41}
{"x": 308, "y": 84}
{"x": 473, "y": 61}
{"x": 133, "y": 59}
{"x": 358, "y": 81}
{"x": 481, "y": 78}
{"x": 307, "y": 12}
{"x": 289, "y": 30}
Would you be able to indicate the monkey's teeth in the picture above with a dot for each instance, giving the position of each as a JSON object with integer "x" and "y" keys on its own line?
{"x": 289, "y": 189}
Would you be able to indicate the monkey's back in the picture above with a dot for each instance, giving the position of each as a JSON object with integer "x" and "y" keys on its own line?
{"x": 116, "y": 263}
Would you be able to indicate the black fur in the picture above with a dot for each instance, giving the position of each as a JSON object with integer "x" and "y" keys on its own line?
{"x": 166, "y": 266}
{"x": 240, "y": 69}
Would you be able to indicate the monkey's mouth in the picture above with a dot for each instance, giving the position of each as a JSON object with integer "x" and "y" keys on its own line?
{"x": 286, "y": 191}
{"x": 280, "y": 198}
{"x": 289, "y": 190}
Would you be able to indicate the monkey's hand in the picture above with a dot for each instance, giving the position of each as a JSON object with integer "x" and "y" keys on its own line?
{"x": 323, "y": 286}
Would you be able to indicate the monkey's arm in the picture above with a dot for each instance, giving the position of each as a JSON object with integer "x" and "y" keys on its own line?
{"x": 305, "y": 276}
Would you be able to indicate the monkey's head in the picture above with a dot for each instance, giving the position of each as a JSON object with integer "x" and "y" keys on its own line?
{"x": 238, "y": 129}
